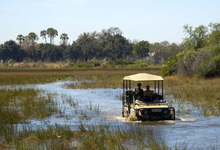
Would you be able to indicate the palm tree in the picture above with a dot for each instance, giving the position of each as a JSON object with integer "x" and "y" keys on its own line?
{"x": 43, "y": 34}
{"x": 20, "y": 38}
{"x": 33, "y": 37}
{"x": 51, "y": 32}
{"x": 64, "y": 37}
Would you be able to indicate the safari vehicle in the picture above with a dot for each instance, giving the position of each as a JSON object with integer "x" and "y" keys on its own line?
{"x": 146, "y": 107}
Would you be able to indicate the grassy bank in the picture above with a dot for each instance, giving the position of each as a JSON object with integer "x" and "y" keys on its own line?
{"x": 107, "y": 78}
{"x": 35, "y": 76}
{"x": 201, "y": 93}
{"x": 95, "y": 64}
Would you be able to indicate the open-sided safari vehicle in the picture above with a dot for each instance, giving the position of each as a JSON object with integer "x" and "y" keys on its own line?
{"x": 149, "y": 104}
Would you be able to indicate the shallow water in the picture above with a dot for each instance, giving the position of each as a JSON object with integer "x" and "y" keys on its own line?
{"x": 103, "y": 106}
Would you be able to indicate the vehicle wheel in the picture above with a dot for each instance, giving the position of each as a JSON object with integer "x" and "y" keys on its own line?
{"x": 138, "y": 117}
{"x": 126, "y": 112}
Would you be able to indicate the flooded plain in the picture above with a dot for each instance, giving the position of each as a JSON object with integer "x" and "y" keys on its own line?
{"x": 103, "y": 106}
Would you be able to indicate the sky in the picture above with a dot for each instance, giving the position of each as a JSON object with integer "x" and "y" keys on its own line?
{"x": 151, "y": 20}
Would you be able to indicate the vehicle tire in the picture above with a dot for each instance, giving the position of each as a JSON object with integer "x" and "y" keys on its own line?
{"x": 138, "y": 117}
{"x": 126, "y": 114}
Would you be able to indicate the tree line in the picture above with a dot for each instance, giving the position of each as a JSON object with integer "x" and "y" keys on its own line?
{"x": 200, "y": 55}
{"x": 109, "y": 44}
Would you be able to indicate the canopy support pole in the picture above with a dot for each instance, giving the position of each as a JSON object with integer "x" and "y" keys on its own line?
{"x": 162, "y": 90}
{"x": 158, "y": 87}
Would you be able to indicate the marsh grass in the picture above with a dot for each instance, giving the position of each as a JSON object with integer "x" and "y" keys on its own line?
{"x": 18, "y": 106}
{"x": 95, "y": 108}
{"x": 36, "y": 76}
{"x": 14, "y": 106}
{"x": 84, "y": 115}
{"x": 80, "y": 64}
{"x": 86, "y": 137}
{"x": 89, "y": 112}
{"x": 72, "y": 102}
{"x": 32, "y": 76}
{"x": 107, "y": 78}
{"x": 201, "y": 93}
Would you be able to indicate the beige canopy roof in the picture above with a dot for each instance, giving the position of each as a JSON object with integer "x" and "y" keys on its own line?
{"x": 143, "y": 77}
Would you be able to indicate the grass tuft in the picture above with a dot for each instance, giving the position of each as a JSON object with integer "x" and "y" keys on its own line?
{"x": 201, "y": 93}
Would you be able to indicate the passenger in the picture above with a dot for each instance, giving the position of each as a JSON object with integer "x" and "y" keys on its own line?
{"x": 138, "y": 92}
{"x": 156, "y": 98}
{"x": 148, "y": 92}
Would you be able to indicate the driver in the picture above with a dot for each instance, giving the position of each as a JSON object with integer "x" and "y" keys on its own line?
{"x": 139, "y": 92}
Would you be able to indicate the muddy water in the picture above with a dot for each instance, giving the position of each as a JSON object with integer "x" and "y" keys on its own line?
{"x": 103, "y": 106}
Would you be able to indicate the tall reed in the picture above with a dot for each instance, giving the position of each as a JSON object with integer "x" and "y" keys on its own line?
{"x": 18, "y": 106}
{"x": 201, "y": 93}
{"x": 89, "y": 137}
{"x": 33, "y": 76}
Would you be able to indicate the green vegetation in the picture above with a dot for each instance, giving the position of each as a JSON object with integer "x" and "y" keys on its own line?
{"x": 107, "y": 78}
{"x": 62, "y": 137}
{"x": 197, "y": 55}
{"x": 18, "y": 105}
{"x": 108, "y": 46}
{"x": 141, "y": 49}
{"x": 15, "y": 110}
{"x": 34, "y": 76}
{"x": 119, "y": 63}
{"x": 201, "y": 54}
{"x": 201, "y": 93}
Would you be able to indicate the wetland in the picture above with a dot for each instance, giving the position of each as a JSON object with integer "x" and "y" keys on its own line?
{"x": 81, "y": 109}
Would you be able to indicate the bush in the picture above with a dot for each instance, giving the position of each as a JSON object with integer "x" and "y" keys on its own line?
{"x": 169, "y": 68}
{"x": 82, "y": 65}
{"x": 121, "y": 62}
{"x": 96, "y": 63}
{"x": 88, "y": 64}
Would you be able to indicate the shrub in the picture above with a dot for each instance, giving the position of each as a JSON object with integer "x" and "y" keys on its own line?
{"x": 121, "y": 62}
{"x": 169, "y": 67}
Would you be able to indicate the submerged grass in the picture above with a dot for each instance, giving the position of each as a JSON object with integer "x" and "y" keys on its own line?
{"x": 18, "y": 106}
{"x": 87, "y": 137}
{"x": 201, "y": 93}
{"x": 15, "y": 109}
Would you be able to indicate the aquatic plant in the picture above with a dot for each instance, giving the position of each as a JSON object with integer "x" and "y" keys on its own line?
{"x": 201, "y": 93}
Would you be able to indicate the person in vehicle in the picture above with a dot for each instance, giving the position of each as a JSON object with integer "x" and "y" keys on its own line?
{"x": 148, "y": 92}
{"x": 139, "y": 92}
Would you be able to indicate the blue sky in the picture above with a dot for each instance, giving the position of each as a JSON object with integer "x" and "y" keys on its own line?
{"x": 152, "y": 20}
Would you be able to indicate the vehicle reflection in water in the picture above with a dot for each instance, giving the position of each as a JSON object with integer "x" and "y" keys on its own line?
{"x": 103, "y": 106}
